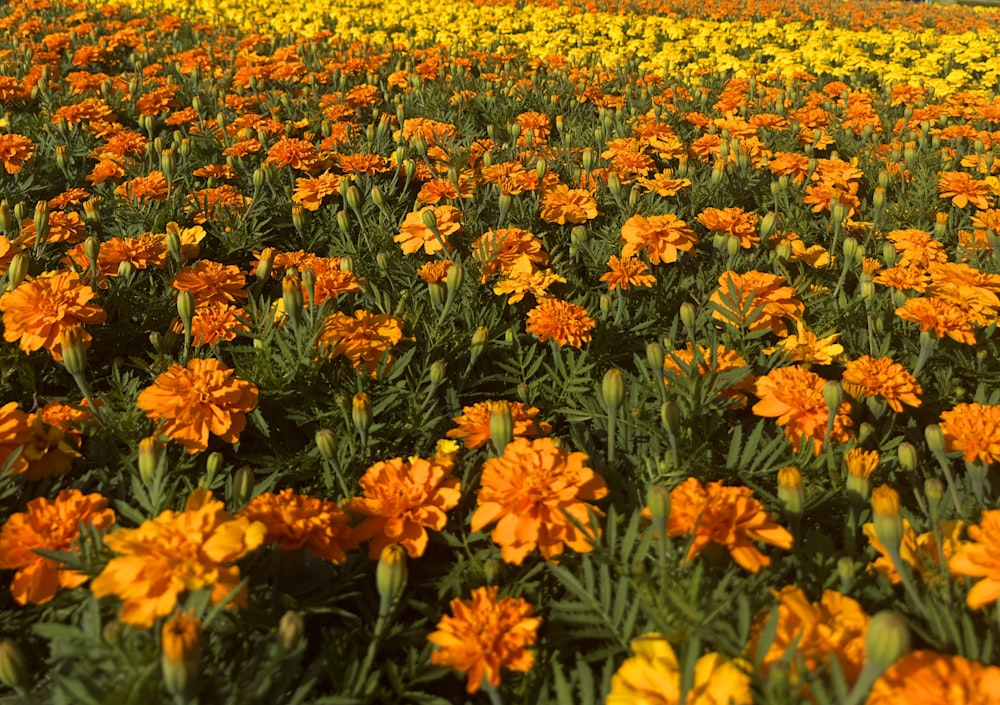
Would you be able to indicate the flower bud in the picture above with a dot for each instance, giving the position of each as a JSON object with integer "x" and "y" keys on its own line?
{"x": 150, "y": 453}
{"x": 390, "y": 576}
{"x": 17, "y": 270}
{"x": 833, "y": 394}
{"x": 768, "y": 224}
{"x": 888, "y": 523}
{"x": 74, "y": 354}
{"x": 290, "y": 629}
{"x": 689, "y": 315}
{"x": 326, "y": 441}
{"x": 887, "y": 639}
{"x": 655, "y": 357}
{"x": 613, "y": 389}
{"x": 181, "y": 640}
{"x": 479, "y": 339}
{"x": 343, "y": 222}
{"x": 935, "y": 438}
{"x": 429, "y": 218}
{"x": 168, "y": 164}
{"x": 846, "y": 570}
{"x": 361, "y": 412}
{"x": 850, "y": 250}
{"x": 615, "y": 185}
{"x": 265, "y": 264}
{"x": 605, "y": 304}
{"x": 501, "y": 425}
{"x": 906, "y": 452}
{"x": 934, "y": 491}
{"x": 456, "y": 275}
{"x": 438, "y": 372}
{"x": 790, "y": 492}
{"x": 173, "y": 239}
{"x": 6, "y": 218}
{"x": 243, "y": 484}
{"x": 213, "y": 464}
{"x": 377, "y": 196}
{"x": 13, "y": 667}
{"x": 185, "y": 308}
{"x": 125, "y": 269}
{"x": 354, "y": 197}
{"x": 41, "y": 221}
{"x": 588, "y": 158}
{"x": 878, "y": 197}
{"x": 670, "y": 417}
{"x": 291, "y": 296}
{"x": 658, "y": 501}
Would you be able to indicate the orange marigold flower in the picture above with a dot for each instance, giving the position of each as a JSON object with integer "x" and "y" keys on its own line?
{"x": 212, "y": 282}
{"x": 561, "y": 205}
{"x": 529, "y": 491}
{"x": 414, "y": 233}
{"x": 38, "y": 311}
{"x": 523, "y": 278}
{"x": 930, "y": 677}
{"x": 734, "y": 222}
{"x": 833, "y": 628}
{"x": 296, "y": 520}
{"x": 152, "y": 187}
{"x": 727, "y": 516}
{"x": 404, "y": 498}
{"x": 564, "y": 322}
{"x": 973, "y": 429}
{"x": 757, "y": 301}
{"x": 962, "y": 189}
{"x": 652, "y": 676}
{"x": 216, "y": 322}
{"x": 940, "y": 317}
{"x": 53, "y": 443}
{"x": 916, "y": 248}
{"x": 502, "y": 249}
{"x": 703, "y": 362}
{"x": 15, "y": 150}
{"x": 920, "y": 551}
{"x": 363, "y": 339}
{"x": 882, "y": 377}
{"x": 980, "y": 558}
{"x": 177, "y": 552}
{"x": 191, "y": 402}
{"x": 294, "y": 152}
{"x": 627, "y": 271}
{"x": 310, "y": 192}
{"x": 795, "y": 396}
{"x": 15, "y": 432}
{"x": 664, "y": 184}
{"x": 50, "y": 526}
{"x": 806, "y": 348}
{"x": 474, "y": 423}
{"x": 435, "y": 272}
{"x": 484, "y": 635}
{"x": 662, "y": 237}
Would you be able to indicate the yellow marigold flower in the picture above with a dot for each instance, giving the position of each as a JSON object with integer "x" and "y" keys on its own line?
{"x": 661, "y": 237}
{"x": 295, "y": 520}
{"x": 528, "y": 492}
{"x": 484, "y": 635}
{"x": 973, "y": 429}
{"x": 795, "y": 396}
{"x": 652, "y": 676}
{"x": 882, "y": 377}
{"x": 806, "y": 348}
{"x": 929, "y": 677}
{"x": 561, "y": 205}
{"x": 728, "y": 516}
{"x": 523, "y": 278}
{"x": 564, "y": 322}
{"x": 177, "y": 552}
{"x": 940, "y": 317}
{"x": 474, "y": 423}
{"x": 404, "y": 498}
{"x": 980, "y": 558}
{"x": 52, "y": 526}
{"x": 920, "y": 551}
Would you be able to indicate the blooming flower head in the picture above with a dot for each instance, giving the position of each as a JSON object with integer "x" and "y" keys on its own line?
{"x": 627, "y": 271}
{"x": 564, "y": 322}
{"x": 529, "y": 490}
{"x": 652, "y": 676}
{"x": 524, "y": 278}
{"x": 734, "y": 222}
{"x": 757, "y": 301}
{"x": 414, "y": 233}
{"x": 15, "y": 432}
{"x": 681, "y": 363}
{"x": 404, "y": 498}
{"x": 310, "y": 192}
{"x": 363, "y": 339}
{"x": 930, "y": 677}
{"x": 962, "y": 189}
{"x": 795, "y": 396}
{"x": 940, "y": 317}
{"x": 474, "y": 423}
{"x": 920, "y": 551}
{"x": 212, "y": 282}
{"x": 661, "y": 237}
{"x": 973, "y": 429}
{"x": 295, "y": 520}
{"x": 728, "y": 516}
{"x": 882, "y": 377}
{"x": 197, "y": 400}
{"x": 15, "y": 150}
{"x": 833, "y": 628}
{"x": 562, "y": 204}
{"x": 37, "y": 312}
{"x": 980, "y": 558}
{"x": 52, "y": 526}
{"x": 502, "y": 249}
{"x": 175, "y": 552}
{"x": 484, "y": 635}
{"x": 294, "y": 152}
{"x": 807, "y": 348}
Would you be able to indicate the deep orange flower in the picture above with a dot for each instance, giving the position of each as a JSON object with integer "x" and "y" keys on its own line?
{"x": 50, "y": 526}
{"x": 15, "y": 150}
{"x": 727, "y": 516}
{"x": 363, "y": 339}
{"x": 414, "y": 233}
{"x": 920, "y": 551}
{"x": 54, "y": 442}
{"x": 191, "y": 402}
{"x": 561, "y": 205}
{"x": 962, "y": 189}
{"x": 627, "y": 271}
{"x": 973, "y": 429}
{"x": 177, "y": 552}
{"x": 756, "y": 300}
{"x": 212, "y": 282}
{"x": 664, "y": 184}
{"x": 38, "y": 311}
{"x": 484, "y": 635}
{"x": 435, "y": 272}
{"x": 929, "y": 677}
{"x": 15, "y": 432}
{"x": 524, "y": 278}
{"x": 661, "y": 237}
{"x": 734, "y": 222}
{"x": 310, "y": 192}
{"x": 294, "y": 152}
{"x": 216, "y": 322}
{"x": 833, "y": 628}
{"x": 208, "y": 203}
{"x": 404, "y": 498}
{"x": 529, "y": 491}
{"x": 940, "y": 317}
{"x": 882, "y": 377}
{"x": 980, "y": 558}
{"x": 916, "y": 248}
{"x": 363, "y": 163}
{"x": 795, "y": 396}
{"x": 501, "y": 249}
{"x": 474, "y": 423}
{"x": 564, "y": 322}
{"x": 296, "y": 520}
{"x": 152, "y": 187}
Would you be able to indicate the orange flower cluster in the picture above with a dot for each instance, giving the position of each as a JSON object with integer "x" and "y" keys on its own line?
{"x": 562, "y": 204}
{"x": 661, "y": 237}
{"x": 756, "y": 301}
{"x": 882, "y": 377}
{"x": 795, "y": 396}
{"x": 50, "y": 526}
{"x": 561, "y": 321}
{"x": 529, "y": 491}
{"x": 203, "y": 398}
{"x": 980, "y": 558}
{"x": 295, "y": 520}
{"x": 726, "y": 516}
{"x": 363, "y": 339}
{"x": 474, "y": 423}
{"x": 415, "y": 234}
{"x": 973, "y": 429}
{"x": 177, "y": 552}
{"x": 499, "y": 250}
{"x": 930, "y": 677}
{"x": 485, "y": 635}
{"x": 732, "y": 222}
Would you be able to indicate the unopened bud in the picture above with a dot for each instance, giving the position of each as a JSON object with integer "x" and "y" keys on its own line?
{"x": 689, "y": 315}
{"x": 655, "y": 357}
{"x": 41, "y": 221}
{"x": 17, "y": 270}
{"x": 72, "y": 350}
{"x": 456, "y": 275}
{"x": 658, "y": 501}
{"x": 181, "y": 639}
{"x": 438, "y": 372}
{"x": 150, "y": 452}
{"x": 13, "y": 666}
{"x": 501, "y": 425}
{"x": 361, "y": 412}
{"x": 326, "y": 441}
{"x": 888, "y": 522}
{"x": 6, "y": 218}
{"x": 767, "y": 224}
{"x": 613, "y": 389}
{"x": 265, "y": 264}
{"x": 790, "y": 492}
{"x": 290, "y": 629}
{"x": 185, "y": 308}
{"x": 907, "y": 454}
{"x": 670, "y": 417}
{"x": 833, "y": 394}
{"x": 390, "y": 576}
{"x": 243, "y": 484}
{"x": 935, "y": 438}
{"x": 887, "y": 639}
{"x": 479, "y": 339}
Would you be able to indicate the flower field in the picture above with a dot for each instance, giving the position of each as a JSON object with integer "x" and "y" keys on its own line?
{"x": 513, "y": 352}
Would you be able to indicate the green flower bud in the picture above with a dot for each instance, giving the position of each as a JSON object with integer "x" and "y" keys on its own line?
{"x": 438, "y": 372}
{"x": 613, "y": 389}
{"x": 658, "y": 501}
{"x": 670, "y": 417}
{"x": 887, "y": 639}
{"x": 13, "y": 666}
{"x": 501, "y": 425}
{"x": 326, "y": 441}
{"x": 906, "y": 452}
{"x": 243, "y": 484}
{"x": 290, "y": 629}
{"x": 390, "y": 576}
{"x": 935, "y": 438}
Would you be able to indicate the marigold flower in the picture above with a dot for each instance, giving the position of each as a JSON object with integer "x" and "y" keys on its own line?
{"x": 191, "y": 402}
{"x": 310, "y": 192}
{"x": 529, "y": 491}
{"x": 152, "y": 187}
{"x": 53, "y": 443}
{"x": 502, "y": 249}
{"x": 805, "y": 347}
{"x": 980, "y": 558}
{"x": 363, "y": 339}
{"x": 795, "y": 396}
{"x": 652, "y": 676}
{"x": 940, "y": 317}
{"x": 681, "y": 363}
{"x": 216, "y": 322}
{"x": 833, "y": 628}
{"x": 414, "y": 233}
{"x": 973, "y": 429}
{"x": 175, "y": 552}
{"x": 474, "y": 423}
{"x": 404, "y": 498}
{"x": 735, "y": 222}
{"x": 561, "y": 205}
{"x": 626, "y": 272}
{"x": 882, "y": 377}
{"x": 523, "y": 278}
{"x": 662, "y": 237}
{"x": 15, "y": 150}
{"x": 294, "y": 152}
{"x": 664, "y": 184}
{"x": 38, "y": 311}
{"x": 920, "y": 551}
{"x": 15, "y": 432}
{"x": 763, "y": 302}
{"x": 564, "y": 322}
{"x": 728, "y": 516}
{"x": 930, "y": 677}
{"x": 484, "y": 635}
{"x": 212, "y": 282}
{"x": 962, "y": 189}
{"x": 296, "y": 520}
{"x": 51, "y": 526}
